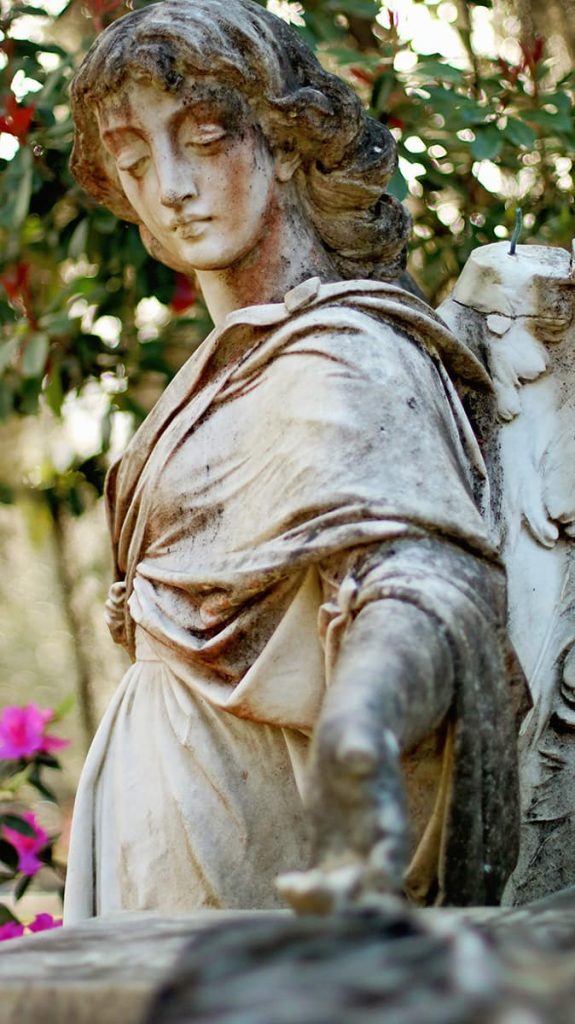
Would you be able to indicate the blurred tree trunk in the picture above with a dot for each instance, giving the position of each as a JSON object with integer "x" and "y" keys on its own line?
{"x": 74, "y": 621}
{"x": 544, "y": 19}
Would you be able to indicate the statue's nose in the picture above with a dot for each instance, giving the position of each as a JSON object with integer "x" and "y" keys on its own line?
{"x": 177, "y": 182}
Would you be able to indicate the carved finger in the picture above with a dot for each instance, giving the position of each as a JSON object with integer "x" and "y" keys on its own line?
{"x": 321, "y": 891}
{"x": 358, "y": 752}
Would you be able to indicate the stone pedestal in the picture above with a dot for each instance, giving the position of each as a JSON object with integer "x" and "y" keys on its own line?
{"x": 382, "y": 962}
{"x": 103, "y": 972}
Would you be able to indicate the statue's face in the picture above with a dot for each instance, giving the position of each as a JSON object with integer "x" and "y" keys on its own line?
{"x": 194, "y": 168}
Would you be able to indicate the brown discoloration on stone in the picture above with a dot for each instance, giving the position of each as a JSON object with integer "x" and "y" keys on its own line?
{"x": 346, "y": 158}
{"x": 246, "y": 163}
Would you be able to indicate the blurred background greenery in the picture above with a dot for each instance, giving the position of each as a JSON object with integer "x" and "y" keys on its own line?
{"x": 479, "y": 96}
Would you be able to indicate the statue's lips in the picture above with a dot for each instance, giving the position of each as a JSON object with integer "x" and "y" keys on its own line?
{"x": 192, "y": 227}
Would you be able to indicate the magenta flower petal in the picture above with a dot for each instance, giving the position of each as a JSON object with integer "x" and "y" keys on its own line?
{"x": 28, "y": 846}
{"x": 28, "y": 864}
{"x": 51, "y": 743}
{"x": 11, "y": 930}
{"x": 23, "y": 732}
{"x": 44, "y": 922}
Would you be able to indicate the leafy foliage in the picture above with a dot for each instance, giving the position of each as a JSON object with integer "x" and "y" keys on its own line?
{"x": 66, "y": 264}
{"x": 76, "y": 287}
{"x": 451, "y": 124}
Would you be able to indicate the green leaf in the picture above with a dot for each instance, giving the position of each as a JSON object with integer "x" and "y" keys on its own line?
{"x": 105, "y": 222}
{"x": 64, "y": 10}
{"x": 383, "y": 86}
{"x": 561, "y": 101}
{"x": 48, "y": 760}
{"x": 367, "y": 9}
{"x": 348, "y": 55}
{"x": 63, "y": 708}
{"x": 77, "y": 506}
{"x": 54, "y": 392}
{"x": 546, "y": 119}
{"x": 18, "y": 9}
{"x": 487, "y": 142}
{"x": 8, "y": 855}
{"x": 54, "y": 81}
{"x": 519, "y": 133}
{"x": 397, "y": 185}
{"x": 36, "y": 781}
{"x": 7, "y": 314}
{"x": 17, "y": 824}
{"x": 472, "y": 114}
{"x": 29, "y": 396}
{"x": 20, "y": 205}
{"x": 437, "y": 69}
{"x": 35, "y": 354}
{"x": 443, "y": 99}
{"x": 8, "y": 350}
{"x": 6, "y": 915}
{"x": 21, "y": 886}
{"x": 322, "y": 27}
{"x": 79, "y": 237}
{"x": 46, "y": 856}
{"x": 55, "y": 324}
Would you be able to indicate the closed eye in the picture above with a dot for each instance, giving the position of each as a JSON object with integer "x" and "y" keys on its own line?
{"x": 203, "y": 135}
{"x": 135, "y": 167}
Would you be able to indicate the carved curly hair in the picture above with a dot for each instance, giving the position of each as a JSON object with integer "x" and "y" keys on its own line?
{"x": 346, "y": 156}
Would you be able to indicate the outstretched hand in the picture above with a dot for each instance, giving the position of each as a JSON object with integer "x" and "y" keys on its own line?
{"x": 392, "y": 686}
{"x": 358, "y": 808}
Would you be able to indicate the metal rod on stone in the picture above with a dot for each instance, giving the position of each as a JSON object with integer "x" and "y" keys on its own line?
{"x": 516, "y": 231}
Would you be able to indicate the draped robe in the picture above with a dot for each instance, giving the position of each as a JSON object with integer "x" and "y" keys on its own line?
{"x": 311, "y": 456}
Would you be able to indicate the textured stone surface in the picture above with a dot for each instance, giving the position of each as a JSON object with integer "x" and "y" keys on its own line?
{"x": 517, "y": 312}
{"x": 297, "y": 545}
{"x": 386, "y": 963}
{"x": 382, "y": 963}
{"x": 103, "y": 972}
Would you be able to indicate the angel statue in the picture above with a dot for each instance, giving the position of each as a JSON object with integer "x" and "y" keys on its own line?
{"x": 312, "y": 600}
{"x": 518, "y": 309}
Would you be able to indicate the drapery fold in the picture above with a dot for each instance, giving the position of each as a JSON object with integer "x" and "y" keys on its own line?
{"x": 299, "y": 435}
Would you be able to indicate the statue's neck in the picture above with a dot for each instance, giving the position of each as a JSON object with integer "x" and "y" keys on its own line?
{"x": 288, "y": 253}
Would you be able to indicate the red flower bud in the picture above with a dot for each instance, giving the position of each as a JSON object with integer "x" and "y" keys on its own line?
{"x": 16, "y": 118}
{"x": 184, "y": 294}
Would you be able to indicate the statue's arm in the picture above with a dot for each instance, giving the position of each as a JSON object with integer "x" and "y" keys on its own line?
{"x": 392, "y": 685}
{"x": 420, "y": 640}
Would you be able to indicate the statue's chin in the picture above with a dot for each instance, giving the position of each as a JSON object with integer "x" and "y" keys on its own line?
{"x": 158, "y": 252}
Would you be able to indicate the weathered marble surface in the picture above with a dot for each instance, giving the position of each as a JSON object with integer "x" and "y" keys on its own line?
{"x": 102, "y": 972}
{"x": 298, "y": 549}
{"x": 479, "y": 966}
{"x": 517, "y": 311}
{"x": 387, "y": 964}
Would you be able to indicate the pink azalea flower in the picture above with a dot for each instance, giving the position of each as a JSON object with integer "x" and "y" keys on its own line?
{"x": 11, "y": 930}
{"x": 44, "y": 922}
{"x": 23, "y": 732}
{"x": 28, "y": 846}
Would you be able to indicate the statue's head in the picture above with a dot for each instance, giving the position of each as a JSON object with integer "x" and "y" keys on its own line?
{"x": 262, "y": 75}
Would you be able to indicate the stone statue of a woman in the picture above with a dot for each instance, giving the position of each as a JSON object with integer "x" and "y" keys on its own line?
{"x": 300, "y": 556}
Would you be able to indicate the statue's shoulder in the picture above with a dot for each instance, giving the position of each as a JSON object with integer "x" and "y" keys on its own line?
{"x": 380, "y": 311}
